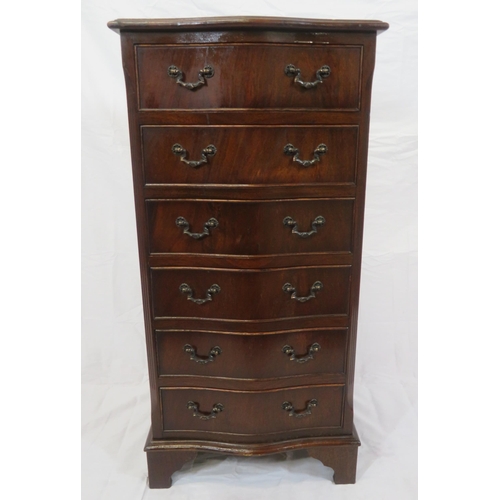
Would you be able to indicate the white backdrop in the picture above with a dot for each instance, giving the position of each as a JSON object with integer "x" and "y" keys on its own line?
{"x": 115, "y": 395}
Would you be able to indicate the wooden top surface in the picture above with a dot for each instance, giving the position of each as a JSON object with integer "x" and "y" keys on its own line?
{"x": 245, "y": 22}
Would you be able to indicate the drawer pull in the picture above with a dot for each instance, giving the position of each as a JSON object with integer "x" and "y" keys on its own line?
{"x": 322, "y": 72}
{"x": 217, "y": 408}
{"x": 184, "y": 288}
{"x": 210, "y": 224}
{"x": 287, "y": 406}
{"x": 290, "y": 352}
{"x": 317, "y": 286}
{"x": 210, "y": 150}
{"x": 291, "y": 150}
{"x": 206, "y": 72}
{"x": 215, "y": 351}
{"x": 317, "y": 222}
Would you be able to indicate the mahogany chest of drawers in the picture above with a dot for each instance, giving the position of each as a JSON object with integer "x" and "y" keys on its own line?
{"x": 249, "y": 142}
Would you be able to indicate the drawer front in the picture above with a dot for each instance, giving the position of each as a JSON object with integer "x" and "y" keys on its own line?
{"x": 250, "y": 228}
{"x": 249, "y": 294}
{"x": 252, "y": 412}
{"x": 248, "y": 76}
{"x": 251, "y": 356}
{"x": 249, "y": 154}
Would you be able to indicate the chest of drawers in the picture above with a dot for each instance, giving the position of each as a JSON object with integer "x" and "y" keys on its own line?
{"x": 249, "y": 145}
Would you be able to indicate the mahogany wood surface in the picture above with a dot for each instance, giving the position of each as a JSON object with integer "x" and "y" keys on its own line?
{"x": 167, "y": 456}
{"x": 251, "y": 228}
{"x": 264, "y": 82}
{"x": 265, "y": 23}
{"x": 249, "y": 261}
{"x": 162, "y": 464}
{"x": 252, "y": 325}
{"x": 254, "y": 356}
{"x": 250, "y": 294}
{"x": 342, "y": 459}
{"x": 240, "y": 117}
{"x": 249, "y": 110}
{"x": 250, "y": 155}
{"x": 248, "y": 192}
{"x": 252, "y": 415}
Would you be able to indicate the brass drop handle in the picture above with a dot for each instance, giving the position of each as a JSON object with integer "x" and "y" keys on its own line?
{"x": 216, "y": 409}
{"x": 210, "y": 224}
{"x": 316, "y": 287}
{"x": 287, "y": 406}
{"x": 291, "y": 150}
{"x": 290, "y": 352}
{"x": 206, "y": 72}
{"x": 184, "y": 288}
{"x": 317, "y": 222}
{"x": 214, "y": 352}
{"x": 323, "y": 72}
{"x": 179, "y": 150}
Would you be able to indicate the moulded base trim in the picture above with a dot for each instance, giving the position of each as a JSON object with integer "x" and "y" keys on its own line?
{"x": 167, "y": 456}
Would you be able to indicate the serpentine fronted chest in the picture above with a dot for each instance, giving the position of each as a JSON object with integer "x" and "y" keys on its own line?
{"x": 249, "y": 142}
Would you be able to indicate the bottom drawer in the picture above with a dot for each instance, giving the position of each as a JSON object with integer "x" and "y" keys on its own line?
{"x": 191, "y": 413}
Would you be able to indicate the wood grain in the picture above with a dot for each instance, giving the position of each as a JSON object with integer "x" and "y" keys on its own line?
{"x": 263, "y": 84}
{"x": 250, "y": 155}
{"x": 260, "y": 23}
{"x": 250, "y": 294}
{"x": 250, "y": 228}
{"x": 258, "y": 415}
{"x": 253, "y": 356}
{"x": 249, "y": 110}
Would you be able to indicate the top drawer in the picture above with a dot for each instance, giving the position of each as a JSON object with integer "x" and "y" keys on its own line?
{"x": 249, "y": 76}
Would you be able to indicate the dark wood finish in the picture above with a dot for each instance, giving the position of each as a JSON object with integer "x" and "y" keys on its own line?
{"x": 247, "y": 22}
{"x": 250, "y": 155}
{"x": 162, "y": 464}
{"x": 248, "y": 192}
{"x": 342, "y": 459}
{"x": 253, "y": 356}
{"x": 251, "y": 384}
{"x": 250, "y": 294}
{"x": 248, "y": 261}
{"x": 250, "y": 228}
{"x": 251, "y": 449}
{"x": 240, "y": 117}
{"x": 264, "y": 84}
{"x": 322, "y": 445}
{"x": 249, "y": 110}
{"x": 253, "y": 326}
{"x": 252, "y": 415}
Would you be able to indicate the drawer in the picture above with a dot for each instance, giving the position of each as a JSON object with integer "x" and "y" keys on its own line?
{"x": 250, "y": 228}
{"x": 256, "y": 413}
{"x": 249, "y": 154}
{"x": 250, "y": 294}
{"x": 248, "y": 76}
{"x": 302, "y": 352}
